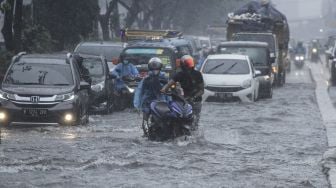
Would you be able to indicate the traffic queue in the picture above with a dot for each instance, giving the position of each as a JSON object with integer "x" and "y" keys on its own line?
{"x": 103, "y": 77}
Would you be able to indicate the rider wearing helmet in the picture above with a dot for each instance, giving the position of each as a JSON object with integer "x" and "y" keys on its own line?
{"x": 149, "y": 89}
{"x": 123, "y": 70}
{"x": 192, "y": 84}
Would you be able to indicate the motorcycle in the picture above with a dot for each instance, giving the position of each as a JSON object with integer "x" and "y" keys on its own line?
{"x": 299, "y": 60}
{"x": 124, "y": 97}
{"x": 169, "y": 119}
{"x": 315, "y": 55}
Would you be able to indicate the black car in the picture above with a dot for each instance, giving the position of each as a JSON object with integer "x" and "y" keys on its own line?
{"x": 43, "y": 90}
{"x": 95, "y": 70}
{"x": 110, "y": 50}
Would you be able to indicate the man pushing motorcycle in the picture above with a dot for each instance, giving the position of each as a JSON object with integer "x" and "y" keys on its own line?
{"x": 192, "y": 84}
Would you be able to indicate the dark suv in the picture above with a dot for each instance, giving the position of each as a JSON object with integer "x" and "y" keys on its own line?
{"x": 43, "y": 90}
{"x": 111, "y": 50}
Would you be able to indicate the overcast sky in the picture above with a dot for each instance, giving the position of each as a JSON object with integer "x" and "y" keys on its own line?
{"x": 300, "y": 9}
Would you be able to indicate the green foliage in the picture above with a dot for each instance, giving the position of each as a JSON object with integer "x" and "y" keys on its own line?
{"x": 37, "y": 39}
{"x": 67, "y": 20}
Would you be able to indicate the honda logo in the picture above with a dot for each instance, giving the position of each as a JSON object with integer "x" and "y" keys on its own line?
{"x": 35, "y": 99}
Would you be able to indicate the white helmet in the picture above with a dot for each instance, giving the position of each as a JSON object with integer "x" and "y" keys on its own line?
{"x": 265, "y": 2}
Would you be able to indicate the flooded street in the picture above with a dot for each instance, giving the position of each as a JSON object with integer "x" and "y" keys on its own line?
{"x": 272, "y": 143}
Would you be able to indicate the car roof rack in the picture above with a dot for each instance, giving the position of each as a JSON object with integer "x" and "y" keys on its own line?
{"x": 136, "y": 35}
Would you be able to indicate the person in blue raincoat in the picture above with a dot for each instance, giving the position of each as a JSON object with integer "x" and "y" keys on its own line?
{"x": 149, "y": 88}
{"x": 123, "y": 70}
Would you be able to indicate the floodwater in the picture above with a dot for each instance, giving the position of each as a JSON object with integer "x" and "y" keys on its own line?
{"x": 271, "y": 143}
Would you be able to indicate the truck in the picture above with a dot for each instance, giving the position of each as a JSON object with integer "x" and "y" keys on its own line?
{"x": 254, "y": 22}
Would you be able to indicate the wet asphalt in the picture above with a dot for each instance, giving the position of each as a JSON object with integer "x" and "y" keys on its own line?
{"x": 276, "y": 142}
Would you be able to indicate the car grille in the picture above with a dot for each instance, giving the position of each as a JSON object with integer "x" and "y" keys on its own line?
{"x": 34, "y": 105}
{"x": 224, "y": 89}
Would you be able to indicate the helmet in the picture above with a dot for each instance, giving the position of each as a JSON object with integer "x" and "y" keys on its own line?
{"x": 187, "y": 62}
{"x": 265, "y": 2}
{"x": 155, "y": 64}
{"x": 123, "y": 59}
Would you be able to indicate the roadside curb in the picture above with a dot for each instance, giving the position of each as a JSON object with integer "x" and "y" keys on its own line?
{"x": 327, "y": 111}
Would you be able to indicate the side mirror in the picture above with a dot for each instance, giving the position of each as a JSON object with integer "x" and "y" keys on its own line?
{"x": 272, "y": 59}
{"x": 84, "y": 85}
{"x": 115, "y": 61}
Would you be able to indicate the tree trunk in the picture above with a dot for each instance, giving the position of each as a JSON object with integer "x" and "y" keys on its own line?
{"x": 116, "y": 21}
{"x": 132, "y": 13}
{"x": 7, "y": 29}
{"x": 104, "y": 24}
{"x": 17, "y": 27}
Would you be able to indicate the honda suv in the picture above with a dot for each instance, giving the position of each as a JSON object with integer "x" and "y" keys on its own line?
{"x": 43, "y": 90}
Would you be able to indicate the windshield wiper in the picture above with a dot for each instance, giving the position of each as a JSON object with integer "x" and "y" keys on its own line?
{"x": 28, "y": 83}
{"x": 216, "y": 67}
{"x": 61, "y": 84}
{"x": 231, "y": 67}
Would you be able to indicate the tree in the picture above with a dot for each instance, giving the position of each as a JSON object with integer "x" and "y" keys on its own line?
{"x": 104, "y": 19}
{"x": 12, "y": 28}
{"x": 68, "y": 21}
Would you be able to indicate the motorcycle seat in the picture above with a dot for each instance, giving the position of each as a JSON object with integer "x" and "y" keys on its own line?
{"x": 162, "y": 108}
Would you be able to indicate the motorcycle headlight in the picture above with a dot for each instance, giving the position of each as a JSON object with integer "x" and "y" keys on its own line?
{"x": 65, "y": 97}
{"x": 314, "y": 50}
{"x": 267, "y": 77}
{"x": 131, "y": 90}
{"x": 297, "y": 58}
{"x": 275, "y": 69}
{"x": 6, "y": 96}
{"x": 98, "y": 87}
{"x": 301, "y": 58}
{"x": 247, "y": 83}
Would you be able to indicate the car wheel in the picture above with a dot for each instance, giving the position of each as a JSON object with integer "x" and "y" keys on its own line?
{"x": 109, "y": 106}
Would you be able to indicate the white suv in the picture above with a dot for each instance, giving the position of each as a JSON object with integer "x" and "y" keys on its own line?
{"x": 229, "y": 77}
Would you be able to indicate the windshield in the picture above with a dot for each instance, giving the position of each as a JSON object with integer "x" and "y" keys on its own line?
{"x": 269, "y": 39}
{"x": 141, "y": 56}
{"x": 257, "y": 55}
{"x": 109, "y": 52}
{"x": 23, "y": 73}
{"x": 93, "y": 66}
{"x": 226, "y": 66}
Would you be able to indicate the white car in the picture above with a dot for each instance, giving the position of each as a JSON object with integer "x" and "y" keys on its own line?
{"x": 230, "y": 76}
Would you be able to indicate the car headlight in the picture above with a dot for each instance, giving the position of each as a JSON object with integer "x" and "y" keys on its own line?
{"x": 247, "y": 83}
{"x": 297, "y": 58}
{"x": 314, "y": 50}
{"x": 6, "y": 96}
{"x": 65, "y": 97}
{"x": 98, "y": 87}
{"x": 301, "y": 58}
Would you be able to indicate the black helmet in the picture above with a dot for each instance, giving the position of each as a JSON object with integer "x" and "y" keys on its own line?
{"x": 155, "y": 64}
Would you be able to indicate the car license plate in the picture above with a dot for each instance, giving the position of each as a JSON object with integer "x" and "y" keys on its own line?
{"x": 224, "y": 95}
{"x": 32, "y": 112}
